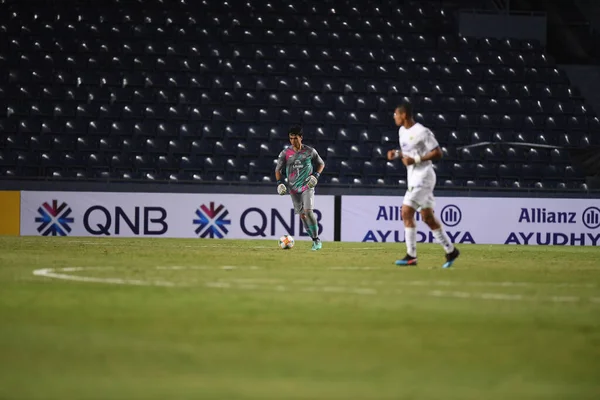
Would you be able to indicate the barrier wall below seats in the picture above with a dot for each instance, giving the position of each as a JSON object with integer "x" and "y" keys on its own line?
{"x": 479, "y": 220}
{"x": 523, "y": 221}
{"x": 9, "y": 212}
{"x": 169, "y": 215}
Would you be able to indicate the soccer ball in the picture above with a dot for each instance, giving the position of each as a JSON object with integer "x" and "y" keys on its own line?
{"x": 286, "y": 242}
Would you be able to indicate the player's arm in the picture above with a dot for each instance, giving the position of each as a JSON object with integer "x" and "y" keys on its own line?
{"x": 281, "y": 188}
{"x": 394, "y": 154}
{"x": 319, "y": 166}
{"x": 434, "y": 155}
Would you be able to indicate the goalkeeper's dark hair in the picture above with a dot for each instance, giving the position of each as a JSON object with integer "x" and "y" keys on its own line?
{"x": 407, "y": 108}
{"x": 295, "y": 130}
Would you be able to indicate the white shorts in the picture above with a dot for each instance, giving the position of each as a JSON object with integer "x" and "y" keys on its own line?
{"x": 419, "y": 198}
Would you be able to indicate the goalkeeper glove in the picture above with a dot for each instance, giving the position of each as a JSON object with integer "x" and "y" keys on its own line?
{"x": 281, "y": 189}
{"x": 313, "y": 180}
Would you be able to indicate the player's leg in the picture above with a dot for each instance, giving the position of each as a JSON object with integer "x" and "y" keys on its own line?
{"x": 439, "y": 234}
{"x": 308, "y": 203}
{"x": 438, "y": 231}
{"x": 313, "y": 229}
{"x": 304, "y": 222}
{"x": 299, "y": 209}
{"x": 307, "y": 216}
{"x": 409, "y": 208}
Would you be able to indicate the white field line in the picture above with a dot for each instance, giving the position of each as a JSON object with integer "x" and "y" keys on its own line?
{"x": 306, "y": 285}
{"x": 409, "y": 283}
{"x": 372, "y": 291}
{"x": 206, "y": 267}
{"x": 282, "y": 288}
{"x": 51, "y": 273}
{"x": 509, "y": 297}
{"x": 354, "y": 268}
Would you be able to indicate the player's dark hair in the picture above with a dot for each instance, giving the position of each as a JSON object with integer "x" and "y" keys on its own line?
{"x": 407, "y": 108}
{"x": 296, "y": 131}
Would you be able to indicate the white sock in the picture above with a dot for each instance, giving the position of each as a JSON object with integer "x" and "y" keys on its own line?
{"x": 410, "y": 237}
{"x": 444, "y": 240}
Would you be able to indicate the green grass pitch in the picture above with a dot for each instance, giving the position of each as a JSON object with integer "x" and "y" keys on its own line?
{"x": 87, "y": 318}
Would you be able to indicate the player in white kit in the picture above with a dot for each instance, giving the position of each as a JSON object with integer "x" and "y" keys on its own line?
{"x": 418, "y": 149}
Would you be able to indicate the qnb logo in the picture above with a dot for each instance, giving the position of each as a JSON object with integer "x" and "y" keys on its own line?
{"x": 54, "y": 220}
{"x": 591, "y": 217}
{"x": 451, "y": 215}
{"x": 211, "y": 221}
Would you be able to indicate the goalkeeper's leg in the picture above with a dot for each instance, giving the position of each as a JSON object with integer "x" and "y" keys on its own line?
{"x": 298, "y": 201}
{"x": 312, "y": 226}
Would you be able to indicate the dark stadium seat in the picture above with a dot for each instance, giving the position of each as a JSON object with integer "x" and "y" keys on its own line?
{"x": 204, "y": 86}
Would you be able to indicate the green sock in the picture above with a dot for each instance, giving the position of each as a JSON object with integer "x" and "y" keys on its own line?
{"x": 313, "y": 226}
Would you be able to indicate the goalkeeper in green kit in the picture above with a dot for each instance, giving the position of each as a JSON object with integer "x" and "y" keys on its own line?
{"x": 303, "y": 167}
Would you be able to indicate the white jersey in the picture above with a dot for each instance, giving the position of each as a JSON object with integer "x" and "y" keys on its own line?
{"x": 418, "y": 141}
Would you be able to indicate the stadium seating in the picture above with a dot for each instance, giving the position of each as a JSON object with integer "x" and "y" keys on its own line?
{"x": 205, "y": 91}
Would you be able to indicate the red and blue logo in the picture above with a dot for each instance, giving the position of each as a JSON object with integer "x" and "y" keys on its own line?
{"x": 54, "y": 220}
{"x": 211, "y": 221}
